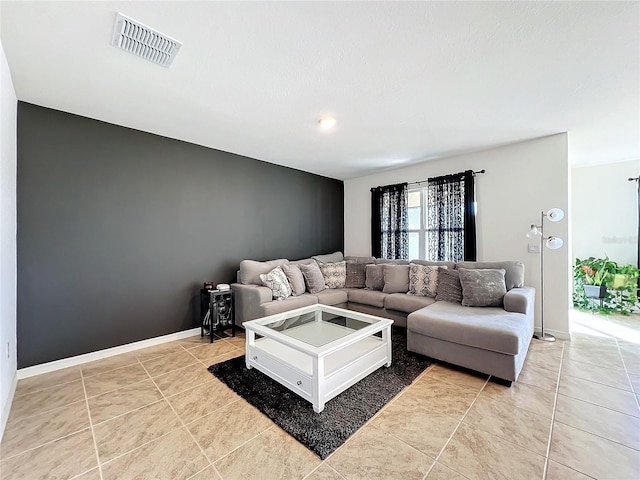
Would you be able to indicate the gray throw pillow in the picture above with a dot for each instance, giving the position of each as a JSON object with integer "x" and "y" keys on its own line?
{"x": 296, "y": 280}
{"x": 356, "y": 274}
{"x": 423, "y": 279}
{"x": 312, "y": 277}
{"x": 277, "y": 281}
{"x": 374, "y": 278}
{"x": 482, "y": 288}
{"x": 449, "y": 287}
{"x": 396, "y": 278}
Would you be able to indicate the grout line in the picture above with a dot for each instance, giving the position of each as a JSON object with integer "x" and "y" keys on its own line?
{"x": 93, "y": 435}
{"x": 44, "y": 444}
{"x": 455, "y": 430}
{"x": 184, "y": 425}
{"x": 553, "y": 415}
{"x": 323, "y": 462}
{"x": 626, "y": 370}
{"x": 243, "y": 444}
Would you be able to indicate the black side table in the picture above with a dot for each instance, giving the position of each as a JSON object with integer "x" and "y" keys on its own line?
{"x": 219, "y": 305}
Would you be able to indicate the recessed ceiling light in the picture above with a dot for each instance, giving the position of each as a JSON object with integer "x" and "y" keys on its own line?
{"x": 327, "y": 123}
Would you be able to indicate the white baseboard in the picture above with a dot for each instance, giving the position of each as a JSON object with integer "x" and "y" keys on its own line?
{"x": 560, "y": 335}
{"x": 7, "y": 406}
{"x": 100, "y": 354}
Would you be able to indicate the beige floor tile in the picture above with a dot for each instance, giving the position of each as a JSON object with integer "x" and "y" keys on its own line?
{"x": 26, "y": 433}
{"x": 109, "y": 405}
{"x": 202, "y": 400}
{"x": 108, "y": 364}
{"x": 557, "y": 471}
{"x": 441, "y": 397}
{"x": 193, "y": 341}
{"x": 461, "y": 378}
{"x": 208, "y": 473}
{"x": 440, "y": 472}
{"x": 273, "y": 454}
{"x": 373, "y": 454}
{"x": 183, "y": 379}
{"x": 539, "y": 377}
{"x": 157, "y": 351}
{"x": 129, "y": 431}
{"x": 524, "y": 428}
{"x": 522, "y": 395}
{"x": 46, "y": 380}
{"x": 173, "y": 456}
{"x": 64, "y": 458}
{"x": 225, "y": 430}
{"x": 206, "y": 353}
{"x": 635, "y": 382}
{"x": 612, "y": 425}
{"x": 477, "y": 454}
{"x": 236, "y": 352}
{"x": 45, "y": 400}
{"x": 408, "y": 420}
{"x": 90, "y": 475}
{"x": 632, "y": 363}
{"x": 549, "y": 359}
{"x": 592, "y": 455}
{"x": 169, "y": 363}
{"x": 237, "y": 341}
{"x": 324, "y": 472}
{"x": 616, "y": 378}
{"x": 598, "y": 394}
{"x": 600, "y": 355}
{"x": 581, "y": 339}
{"x": 114, "y": 379}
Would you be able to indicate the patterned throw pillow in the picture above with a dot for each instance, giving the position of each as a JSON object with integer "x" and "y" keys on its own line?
{"x": 334, "y": 274}
{"x": 449, "y": 287}
{"x": 482, "y": 288}
{"x": 312, "y": 277}
{"x": 277, "y": 281}
{"x": 423, "y": 280}
{"x": 356, "y": 274}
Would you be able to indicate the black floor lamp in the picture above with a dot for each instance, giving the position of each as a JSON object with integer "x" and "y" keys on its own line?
{"x": 552, "y": 243}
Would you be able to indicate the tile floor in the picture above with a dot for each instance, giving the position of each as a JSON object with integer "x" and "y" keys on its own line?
{"x": 158, "y": 414}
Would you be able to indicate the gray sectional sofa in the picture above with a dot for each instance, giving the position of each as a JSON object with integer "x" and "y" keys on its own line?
{"x": 491, "y": 340}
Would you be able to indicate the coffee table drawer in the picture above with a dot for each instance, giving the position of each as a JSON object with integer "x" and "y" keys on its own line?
{"x": 283, "y": 373}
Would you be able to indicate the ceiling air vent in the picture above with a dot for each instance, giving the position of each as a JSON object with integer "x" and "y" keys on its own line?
{"x": 137, "y": 38}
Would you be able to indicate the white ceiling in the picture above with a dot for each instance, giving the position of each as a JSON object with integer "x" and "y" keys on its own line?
{"x": 406, "y": 81}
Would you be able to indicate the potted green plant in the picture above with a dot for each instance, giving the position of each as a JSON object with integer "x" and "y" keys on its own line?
{"x": 615, "y": 286}
{"x": 596, "y": 274}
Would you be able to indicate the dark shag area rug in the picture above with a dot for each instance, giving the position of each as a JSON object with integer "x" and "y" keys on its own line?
{"x": 323, "y": 432}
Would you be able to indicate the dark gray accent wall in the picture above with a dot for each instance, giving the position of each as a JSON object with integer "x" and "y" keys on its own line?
{"x": 117, "y": 229}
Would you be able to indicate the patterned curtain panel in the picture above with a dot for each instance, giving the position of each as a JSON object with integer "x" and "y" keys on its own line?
{"x": 389, "y": 222}
{"x": 451, "y": 217}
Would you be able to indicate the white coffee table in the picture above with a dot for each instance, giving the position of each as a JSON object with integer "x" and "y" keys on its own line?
{"x": 318, "y": 351}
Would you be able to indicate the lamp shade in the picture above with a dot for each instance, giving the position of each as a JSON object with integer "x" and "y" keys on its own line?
{"x": 533, "y": 232}
{"x": 555, "y": 214}
{"x": 554, "y": 243}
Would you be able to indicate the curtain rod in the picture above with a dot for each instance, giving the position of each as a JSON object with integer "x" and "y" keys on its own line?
{"x": 474, "y": 174}
{"x": 634, "y": 179}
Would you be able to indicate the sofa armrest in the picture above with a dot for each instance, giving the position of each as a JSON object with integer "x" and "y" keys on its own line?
{"x": 520, "y": 300}
{"x": 248, "y": 299}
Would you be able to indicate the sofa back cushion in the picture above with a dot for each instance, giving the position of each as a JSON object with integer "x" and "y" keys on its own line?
{"x": 449, "y": 286}
{"x": 514, "y": 271}
{"x": 312, "y": 277}
{"x": 334, "y": 274}
{"x": 374, "y": 277}
{"x": 388, "y": 261}
{"x": 365, "y": 260}
{"x": 482, "y": 287}
{"x": 329, "y": 258}
{"x": 396, "y": 278}
{"x": 423, "y": 279}
{"x": 295, "y": 278}
{"x": 250, "y": 270}
{"x": 430, "y": 263}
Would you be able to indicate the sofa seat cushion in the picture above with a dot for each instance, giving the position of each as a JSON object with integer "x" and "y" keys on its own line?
{"x": 332, "y": 296}
{"x": 406, "y": 303}
{"x": 375, "y": 298}
{"x": 488, "y": 328}
{"x": 271, "y": 308}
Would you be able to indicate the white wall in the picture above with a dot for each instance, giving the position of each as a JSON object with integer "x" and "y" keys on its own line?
{"x": 8, "y": 160}
{"x": 605, "y": 211}
{"x": 521, "y": 180}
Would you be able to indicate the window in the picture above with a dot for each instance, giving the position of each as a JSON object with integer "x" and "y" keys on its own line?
{"x": 417, "y": 223}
